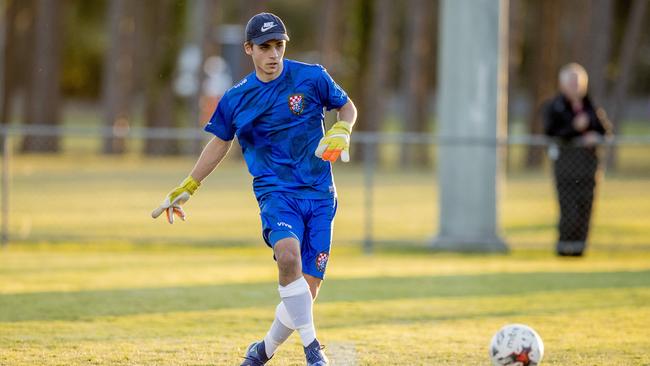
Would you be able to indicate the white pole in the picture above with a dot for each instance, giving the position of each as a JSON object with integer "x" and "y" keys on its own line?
{"x": 472, "y": 92}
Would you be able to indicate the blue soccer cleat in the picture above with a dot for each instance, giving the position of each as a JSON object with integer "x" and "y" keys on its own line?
{"x": 315, "y": 355}
{"x": 256, "y": 355}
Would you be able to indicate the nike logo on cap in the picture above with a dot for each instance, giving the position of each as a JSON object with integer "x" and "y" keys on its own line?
{"x": 267, "y": 26}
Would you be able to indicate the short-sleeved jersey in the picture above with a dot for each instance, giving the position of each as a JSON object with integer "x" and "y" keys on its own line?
{"x": 279, "y": 124}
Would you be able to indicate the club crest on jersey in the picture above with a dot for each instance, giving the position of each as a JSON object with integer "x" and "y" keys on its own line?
{"x": 321, "y": 261}
{"x": 296, "y": 103}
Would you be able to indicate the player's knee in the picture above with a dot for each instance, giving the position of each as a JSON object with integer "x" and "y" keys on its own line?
{"x": 287, "y": 253}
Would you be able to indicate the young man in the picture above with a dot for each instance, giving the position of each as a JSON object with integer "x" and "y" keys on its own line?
{"x": 277, "y": 114}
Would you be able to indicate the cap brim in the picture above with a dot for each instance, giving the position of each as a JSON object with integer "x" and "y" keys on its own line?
{"x": 271, "y": 36}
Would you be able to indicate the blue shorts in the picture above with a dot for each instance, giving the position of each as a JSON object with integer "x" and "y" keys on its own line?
{"x": 308, "y": 220}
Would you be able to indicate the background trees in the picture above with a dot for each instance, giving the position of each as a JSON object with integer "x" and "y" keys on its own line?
{"x": 122, "y": 58}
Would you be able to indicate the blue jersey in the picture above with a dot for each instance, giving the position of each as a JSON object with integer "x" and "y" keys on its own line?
{"x": 279, "y": 124}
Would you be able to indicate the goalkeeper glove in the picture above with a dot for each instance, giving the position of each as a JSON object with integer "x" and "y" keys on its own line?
{"x": 172, "y": 203}
{"x": 335, "y": 143}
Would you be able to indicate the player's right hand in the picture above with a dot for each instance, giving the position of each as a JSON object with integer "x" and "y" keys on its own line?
{"x": 172, "y": 203}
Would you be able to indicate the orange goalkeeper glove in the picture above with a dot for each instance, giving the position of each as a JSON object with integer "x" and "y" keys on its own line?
{"x": 335, "y": 143}
{"x": 172, "y": 203}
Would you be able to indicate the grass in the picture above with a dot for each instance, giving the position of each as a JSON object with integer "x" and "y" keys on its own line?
{"x": 121, "y": 304}
{"x": 90, "y": 279}
{"x": 106, "y": 199}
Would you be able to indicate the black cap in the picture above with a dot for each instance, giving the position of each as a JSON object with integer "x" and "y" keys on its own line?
{"x": 264, "y": 27}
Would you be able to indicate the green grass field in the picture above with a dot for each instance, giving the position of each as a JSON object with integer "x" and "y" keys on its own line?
{"x": 90, "y": 279}
{"x": 126, "y": 304}
{"x": 91, "y": 199}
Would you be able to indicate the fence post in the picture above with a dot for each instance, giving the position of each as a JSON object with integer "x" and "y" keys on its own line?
{"x": 4, "y": 193}
{"x": 369, "y": 171}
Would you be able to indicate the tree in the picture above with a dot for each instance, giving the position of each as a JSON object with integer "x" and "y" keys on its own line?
{"x": 626, "y": 62}
{"x": 600, "y": 39}
{"x": 18, "y": 34}
{"x": 118, "y": 74}
{"x": 355, "y": 46}
{"x": 330, "y": 34}
{"x": 162, "y": 25}
{"x": 43, "y": 104}
{"x": 545, "y": 54}
{"x": 376, "y": 70}
{"x": 415, "y": 70}
{"x": 516, "y": 32}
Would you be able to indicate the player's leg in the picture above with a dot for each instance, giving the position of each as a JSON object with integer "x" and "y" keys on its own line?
{"x": 287, "y": 256}
{"x": 279, "y": 223}
{"x": 314, "y": 285}
{"x": 294, "y": 289}
{"x": 315, "y": 255}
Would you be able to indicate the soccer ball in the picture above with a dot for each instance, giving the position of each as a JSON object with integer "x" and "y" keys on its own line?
{"x": 516, "y": 345}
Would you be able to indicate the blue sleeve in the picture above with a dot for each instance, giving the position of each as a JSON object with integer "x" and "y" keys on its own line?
{"x": 221, "y": 124}
{"x": 330, "y": 93}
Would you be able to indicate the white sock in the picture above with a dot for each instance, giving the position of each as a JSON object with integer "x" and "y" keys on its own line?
{"x": 283, "y": 316}
{"x": 298, "y": 302}
{"x": 281, "y": 329}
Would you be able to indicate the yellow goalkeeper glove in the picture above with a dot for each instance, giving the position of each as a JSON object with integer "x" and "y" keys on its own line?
{"x": 335, "y": 143}
{"x": 172, "y": 203}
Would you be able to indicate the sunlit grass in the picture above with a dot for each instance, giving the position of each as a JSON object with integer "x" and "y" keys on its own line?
{"x": 79, "y": 198}
{"x": 122, "y": 304}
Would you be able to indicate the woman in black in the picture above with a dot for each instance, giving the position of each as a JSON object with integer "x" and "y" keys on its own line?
{"x": 576, "y": 127}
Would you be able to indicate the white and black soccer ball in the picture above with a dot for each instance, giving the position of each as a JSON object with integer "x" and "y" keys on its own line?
{"x": 516, "y": 345}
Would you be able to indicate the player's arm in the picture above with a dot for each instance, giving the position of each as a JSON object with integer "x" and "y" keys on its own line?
{"x": 336, "y": 141}
{"x": 348, "y": 113}
{"x": 212, "y": 154}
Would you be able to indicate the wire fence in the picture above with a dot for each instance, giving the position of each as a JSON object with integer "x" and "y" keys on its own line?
{"x": 386, "y": 197}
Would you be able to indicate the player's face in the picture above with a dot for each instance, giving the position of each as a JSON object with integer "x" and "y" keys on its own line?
{"x": 267, "y": 57}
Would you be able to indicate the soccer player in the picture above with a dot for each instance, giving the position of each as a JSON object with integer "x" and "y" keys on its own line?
{"x": 277, "y": 114}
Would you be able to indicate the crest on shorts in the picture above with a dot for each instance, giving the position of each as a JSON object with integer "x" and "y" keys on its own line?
{"x": 296, "y": 103}
{"x": 321, "y": 261}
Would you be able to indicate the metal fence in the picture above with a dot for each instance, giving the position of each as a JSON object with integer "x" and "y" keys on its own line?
{"x": 386, "y": 196}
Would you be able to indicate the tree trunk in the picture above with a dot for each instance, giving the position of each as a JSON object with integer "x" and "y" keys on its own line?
{"x": 163, "y": 23}
{"x": 376, "y": 72}
{"x": 330, "y": 34}
{"x": 600, "y": 40}
{"x": 355, "y": 48}
{"x": 118, "y": 75}
{"x": 545, "y": 48}
{"x": 19, "y": 34}
{"x": 43, "y": 106}
{"x": 576, "y": 20}
{"x": 516, "y": 31}
{"x": 415, "y": 70}
{"x": 628, "y": 51}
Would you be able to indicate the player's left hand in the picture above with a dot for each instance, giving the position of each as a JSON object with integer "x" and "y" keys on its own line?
{"x": 335, "y": 143}
{"x": 172, "y": 203}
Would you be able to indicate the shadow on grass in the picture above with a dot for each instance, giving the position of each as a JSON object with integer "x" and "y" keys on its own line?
{"x": 83, "y": 305}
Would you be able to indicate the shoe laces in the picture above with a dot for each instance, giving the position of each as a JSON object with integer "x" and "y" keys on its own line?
{"x": 314, "y": 353}
{"x": 255, "y": 359}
